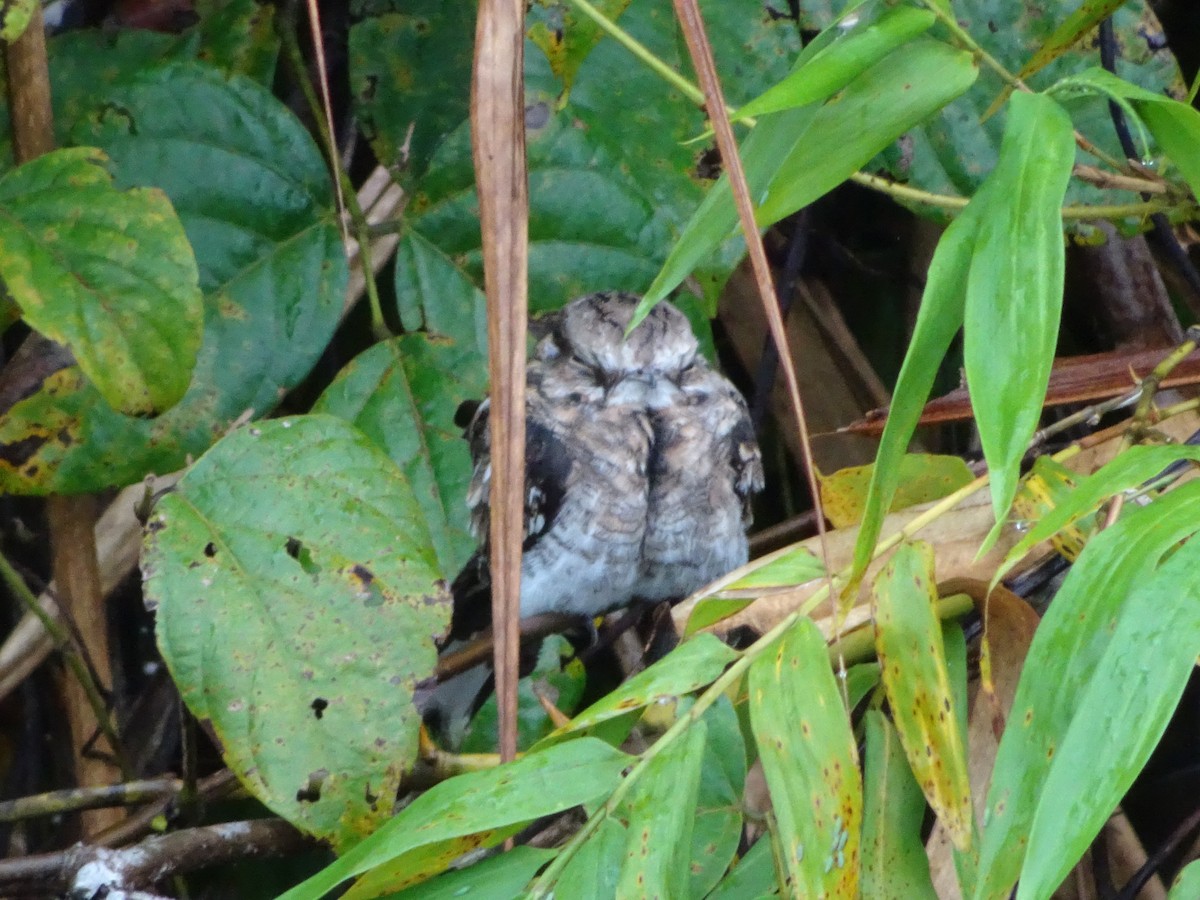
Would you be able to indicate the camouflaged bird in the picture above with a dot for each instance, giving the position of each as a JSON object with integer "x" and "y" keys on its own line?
{"x": 640, "y": 464}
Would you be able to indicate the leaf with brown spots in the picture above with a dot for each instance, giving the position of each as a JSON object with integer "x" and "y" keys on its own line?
{"x": 908, "y": 639}
{"x": 809, "y": 757}
{"x": 660, "y": 811}
{"x": 109, "y": 273}
{"x": 291, "y": 568}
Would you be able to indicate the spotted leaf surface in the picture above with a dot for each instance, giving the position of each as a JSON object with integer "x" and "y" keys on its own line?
{"x": 811, "y": 764}
{"x": 298, "y": 602}
{"x": 912, "y": 656}
{"x": 109, "y": 273}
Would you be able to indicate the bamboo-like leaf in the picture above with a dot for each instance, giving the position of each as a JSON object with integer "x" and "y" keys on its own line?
{"x": 1014, "y": 290}
{"x": 478, "y": 809}
{"x": 858, "y": 47}
{"x": 908, "y": 637}
{"x": 1187, "y": 883}
{"x": 1174, "y": 125}
{"x": 1131, "y": 468}
{"x": 795, "y": 157}
{"x": 810, "y": 761}
{"x": 923, "y": 477}
{"x": 938, "y": 320}
{"x": 1073, "y": 642}
{"x": 660, "y": 810}
{"x": 1120, "y": 714}
{"x": 894, "y": 863}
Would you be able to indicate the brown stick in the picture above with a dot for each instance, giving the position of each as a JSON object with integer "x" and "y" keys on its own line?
{"x": 498, "y": 135}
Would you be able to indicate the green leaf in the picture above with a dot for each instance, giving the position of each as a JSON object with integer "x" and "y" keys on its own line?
{"x": 753, "y": 876}
{"x": 610, "y": 179}
{"x": 795, "y": 566}
{"x": 478, "y": 809}
{"x": 1175, "y": 125}
{"x": 1070, "y": 31}
{"x": 403, "y": 394}
{"x": 658, "y": 815}
{"x": 298, "y": 601}
{"x": 566, "y": 37}
{"x": 1074, "y": 639}
{"x": 593, "y": 871}
{"x": 1130, "y": 468}
{"x": 938, "y": 320}
{"x": 239, "y": 37}
{"x": 894, "y": 863}
{"x": 1015, "y": 287}
{"x": 803, "y": 155}
{"x": 858, "y": 47}
{"x": 810, "y": 762}
{"x": 1187, "y": 883}
{"x": 1121, "y": 713}
{"x": 410, "y": 71}
{"x": 689, "y": 666}
{"x": 271, "y": 264}
{"x": 108, "y": 273}
{"x": 908, "y": 637}
{"x": 717, "y": 828}
{"x": 501, "y": 876}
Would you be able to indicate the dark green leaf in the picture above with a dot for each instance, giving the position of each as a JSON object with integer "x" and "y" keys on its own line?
{"x": 717, "y": 828}
{"x": 501, "y": 876}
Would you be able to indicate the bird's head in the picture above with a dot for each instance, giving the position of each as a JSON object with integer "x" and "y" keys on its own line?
{"x": 592, "y": 331}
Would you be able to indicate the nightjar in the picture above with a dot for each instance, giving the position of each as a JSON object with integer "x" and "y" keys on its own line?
{"x": 640, "y": 464}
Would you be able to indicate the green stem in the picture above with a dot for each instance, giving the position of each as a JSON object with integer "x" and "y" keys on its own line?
{"x": 63, "y": 642}
{"x": 361, "y": 228}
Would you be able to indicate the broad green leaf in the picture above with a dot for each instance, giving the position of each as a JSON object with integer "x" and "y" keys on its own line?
{"x": 894, "y": 863}
{"x": 271, "y": 264}
{"x": 752, "y": 878}
{"x": 479, "y": 809}
{"x": 689, "y": 666}
{"x": 567, "y": 36}
{"x": 501, "y": 876}
{"x": 717, "y": 828}
{"x": 610, "y": 179}
{"x": 109, "y": 273}
{"x": 658, "y": 815}
{"x": 908, "y": 637}
{"x": 861, "y": 680}
{"x": 810, "y": 762}
{"x": 938, "y": 320}
{"x": 861, "y": 44}
{"x": 1187, "y": 883}
{"x": 1015, "y": 287}
{"x": 1072, "y": 642}
{"x": 923, "y": 477}
{"x": 802, "y": 155}
{"x": 410, "y": 71}
{"x": 1130, "y": 468}
{"x": 298, "y": 601}
{"x": 708, "y": 611}
{"x": 239, "y": 36}
{"x": 403, "y": 394}
{"x": 1120, "y": 715}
